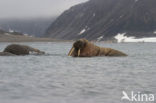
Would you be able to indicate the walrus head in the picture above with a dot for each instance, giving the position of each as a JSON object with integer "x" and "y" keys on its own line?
{"x": 77, "y": 47}
{"x": 79, "y": 44}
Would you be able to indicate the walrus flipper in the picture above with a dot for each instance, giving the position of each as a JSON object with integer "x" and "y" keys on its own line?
{"x": 35, "y": 50}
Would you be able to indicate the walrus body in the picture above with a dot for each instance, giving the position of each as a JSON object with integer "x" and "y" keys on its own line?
{"x": 6, "y": 54}
{"x": 17, "y": 49}
{"x": 84, "y": 48}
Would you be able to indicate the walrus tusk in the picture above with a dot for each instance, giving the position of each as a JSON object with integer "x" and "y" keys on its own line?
{"x": 79, "y": 52}
{"x": 71, "y": 51}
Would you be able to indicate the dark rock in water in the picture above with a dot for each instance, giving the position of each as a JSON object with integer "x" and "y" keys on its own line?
{"x": 21, "y": 49}
{"x": 6, "y": 54}
{"x": 104, "y": 19}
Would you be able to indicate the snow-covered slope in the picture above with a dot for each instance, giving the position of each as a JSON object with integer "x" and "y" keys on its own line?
{"x": 106, "y": 18}
{"x": 121, "y": 37}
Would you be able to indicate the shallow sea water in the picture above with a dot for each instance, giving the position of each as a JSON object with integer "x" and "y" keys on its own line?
{"x": 57, "y": 78}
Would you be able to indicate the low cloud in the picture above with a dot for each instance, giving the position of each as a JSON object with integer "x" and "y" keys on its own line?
{"x": 34, "y": 8}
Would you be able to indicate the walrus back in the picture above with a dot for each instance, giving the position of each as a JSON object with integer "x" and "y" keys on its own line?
{"x": 111, "y": 52}
{"x": 116, "y": 53}
{"x": 17, "y": 49}
{"x": 90, "y": 50}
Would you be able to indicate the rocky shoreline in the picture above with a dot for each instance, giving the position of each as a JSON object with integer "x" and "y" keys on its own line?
{"x": 21, "y": 38}
{"x": 6, "y": 37}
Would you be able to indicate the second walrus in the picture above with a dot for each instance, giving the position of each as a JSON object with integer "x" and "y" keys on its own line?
{"x": 17, "y": 49}
{"x": 84, "y": 48}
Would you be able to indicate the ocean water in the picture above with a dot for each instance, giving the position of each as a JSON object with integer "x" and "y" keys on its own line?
{"x": 57, "y": 78}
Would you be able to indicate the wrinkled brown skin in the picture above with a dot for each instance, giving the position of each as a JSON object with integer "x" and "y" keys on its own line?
{"x": 88, "y": 49}
{"x": 17, "y": 49}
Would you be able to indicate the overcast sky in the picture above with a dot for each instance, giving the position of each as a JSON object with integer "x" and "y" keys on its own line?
{"x": 34, "y": 8}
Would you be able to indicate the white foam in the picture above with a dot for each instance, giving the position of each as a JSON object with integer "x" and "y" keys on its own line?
{"x": 120, "y": 37}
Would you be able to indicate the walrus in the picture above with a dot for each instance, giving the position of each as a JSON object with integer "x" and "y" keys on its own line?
{"x": 17, "y": 49}
{"x": 6, "y": 54}
{"x": 84, "y": 48}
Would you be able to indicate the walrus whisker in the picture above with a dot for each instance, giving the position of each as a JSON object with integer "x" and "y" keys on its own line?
{"x": 71, "y": 51}
{"x": 79, "y": 51}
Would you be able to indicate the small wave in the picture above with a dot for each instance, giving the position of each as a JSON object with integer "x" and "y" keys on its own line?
{"x": 48, "y": 54}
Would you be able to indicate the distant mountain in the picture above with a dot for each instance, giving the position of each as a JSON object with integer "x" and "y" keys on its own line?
{"x": 19, "y": 37}
{"x": 103, "y": 19}
{"x": 35, "y": 27}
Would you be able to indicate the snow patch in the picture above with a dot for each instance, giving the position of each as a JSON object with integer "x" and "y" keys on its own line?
{"x": 82, "y": 31}
{"x": 27, "y": 35}
{"x": 154, "y": 32}
{"x": 86, "y": 28}
{"x": 100, "y": 38}
{"x": 11, "y": 31}
{"x": 120, "y": 37}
